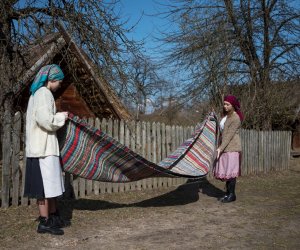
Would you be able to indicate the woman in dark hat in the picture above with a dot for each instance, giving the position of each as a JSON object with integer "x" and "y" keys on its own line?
{"x": 229, "y": 152}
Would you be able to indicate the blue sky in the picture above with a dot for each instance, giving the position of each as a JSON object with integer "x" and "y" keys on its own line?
{"x": 148, "y": 24}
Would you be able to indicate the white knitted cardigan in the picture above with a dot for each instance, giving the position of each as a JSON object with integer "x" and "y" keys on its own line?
{"x": 42, "y": 121}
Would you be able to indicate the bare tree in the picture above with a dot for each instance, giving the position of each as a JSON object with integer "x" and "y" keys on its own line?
{"x": 144, "y": 82}
{"x": 94, "y": 26}
{"x": 227, "y": 43}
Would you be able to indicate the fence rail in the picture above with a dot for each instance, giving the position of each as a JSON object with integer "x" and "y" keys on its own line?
{"x": 263, "y": 151}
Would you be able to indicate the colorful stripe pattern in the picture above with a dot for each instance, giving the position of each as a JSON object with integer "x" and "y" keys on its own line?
{"x": 92, "y": 154}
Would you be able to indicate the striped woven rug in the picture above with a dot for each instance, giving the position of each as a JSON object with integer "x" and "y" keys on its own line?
{"x": 92, "y": 154}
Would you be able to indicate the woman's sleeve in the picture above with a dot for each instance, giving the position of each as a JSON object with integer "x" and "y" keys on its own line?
{"x": 45, "y": 116}
{"x": 229, "y": 133}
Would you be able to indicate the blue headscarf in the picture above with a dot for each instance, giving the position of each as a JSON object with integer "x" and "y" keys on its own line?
{"x": 47, "y": 73}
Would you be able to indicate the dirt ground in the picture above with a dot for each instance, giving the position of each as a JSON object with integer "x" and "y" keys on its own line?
{"x": 266, "y": 215}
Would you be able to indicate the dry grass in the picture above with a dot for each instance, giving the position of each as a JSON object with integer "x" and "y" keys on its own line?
{"x": 265, "y": 216}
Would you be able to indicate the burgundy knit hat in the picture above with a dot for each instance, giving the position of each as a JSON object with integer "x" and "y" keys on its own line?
{"x": 236, "y": 105}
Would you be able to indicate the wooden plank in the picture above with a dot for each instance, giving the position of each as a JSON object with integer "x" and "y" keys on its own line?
{"x": 249, "y": 152}
{"x": 76, "y": 186}
{"x": 115, "y": 186}
{"x": 160, "y": 182}
{"x": 158, "y": 143}
{"x": 103, "y": 126}
{"x": 252, "y": 151}
{"x": 265, "y": 153}
{"x": 133, "y": 135}
{"x": 257, "y": 150}
{"x": 165, "y": 182}
{"x": 177, "y": 136}
{"x": 282, "y": 139}
{"x": 154, "y": 143}
{"x": 174, "y": 181}
{"x": 96, "y": 184}
{"x": 288, "y": 147}
{"x": 149, "y": 183}
{"x": 181, "y": 135}
{"x": 276, "y": 152}
{"x": 102, "y": 187}
{"x": 138, "y": 137}
{"x": 144, "y": 184}
{"x": 89, "y": 183}
{"x": 139, "y": 185}
{"x": 109, "y": 187}
{"x": 168, "y": 140}
{"x": 82, "y": 187}
{"x": 133, "y": 185}
{"x": 243, "y": 151}
{"x": 122, "y": 140}
{"x": 121, "y": 187}
{"x": 285, "y": 146}
{"x": 173, "y": 138}
{"x": 268, "y": 150}
{"x": 155, "y": 182}
{"x": 272, "y": 149}
{"x": 245, "y": 155}
{"x": 260, "y": 151}
{"x": 127, "y": 135}
{"x": 116, "y": 129}
{"x": 24, "y": 200}
{"x": 144, "y": 140}
{"x": 133, "y": 146}
{"x": 170, "y": 182}
{"x": 122, "y": 132}
{"x": 281, "y": 149}
{"x": 6, "y": 157}
{"x": 127, "y": 186}
{"x": 148, "y": 136}
{"x": 163, "y": 141}
{"x": 110, "y": 127}
{"x": 16, "y": 159}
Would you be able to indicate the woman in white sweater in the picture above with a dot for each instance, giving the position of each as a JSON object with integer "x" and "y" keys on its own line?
{"x": 43, "y": 179}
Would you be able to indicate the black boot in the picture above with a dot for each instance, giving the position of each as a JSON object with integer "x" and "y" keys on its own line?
{"x": 231, "y": 188}
{"x": 46, "y": 226}
{"x": 58, "y": 221}
{"x": 227, "y": 191}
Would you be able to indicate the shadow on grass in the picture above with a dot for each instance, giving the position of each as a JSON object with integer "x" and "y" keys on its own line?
{"x": 184, "y": 194}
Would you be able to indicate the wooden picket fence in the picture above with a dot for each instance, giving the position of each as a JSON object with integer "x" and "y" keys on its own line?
{"x": 263, "y": 151}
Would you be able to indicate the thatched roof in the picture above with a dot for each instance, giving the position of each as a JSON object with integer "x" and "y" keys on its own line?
{"x": 59, "y": 48}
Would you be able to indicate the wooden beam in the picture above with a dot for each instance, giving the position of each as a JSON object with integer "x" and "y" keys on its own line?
{"x": 112, "y": 103}
{"x": 45, "y": 59}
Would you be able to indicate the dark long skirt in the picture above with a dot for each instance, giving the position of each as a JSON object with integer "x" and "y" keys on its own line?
{"x": 34, "y": 187}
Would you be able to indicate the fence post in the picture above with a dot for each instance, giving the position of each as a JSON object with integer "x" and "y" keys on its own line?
{"x": 6, "y": 157}
{"x": 15, "y": 175}
{"x": 24, "y": 200}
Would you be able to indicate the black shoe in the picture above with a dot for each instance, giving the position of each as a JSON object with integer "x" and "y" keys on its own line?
{"x": 230, "y": 198}
{"x": 224, "y": 197}
{"x": 59, "y": 222}
{"x": 45, "y": 226}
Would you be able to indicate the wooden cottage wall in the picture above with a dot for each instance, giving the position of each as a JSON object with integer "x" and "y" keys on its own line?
{"x": 70, "y": 100}
{"x": 296, "y": 139}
